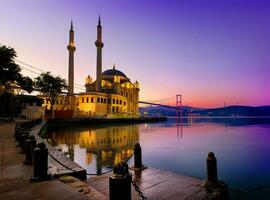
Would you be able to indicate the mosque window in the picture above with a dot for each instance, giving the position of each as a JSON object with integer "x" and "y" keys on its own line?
{"x": 104, "y": 100}
{"x": 109, "y": 100}
{"x": 87, "y": 100}
{"x": 116, "y": 109}
{"x": 113, "y": 100}
{"x": 120, "y": 102}
{"x": 116, "y": 101}
{"x": 101, "y": 100}
{"x": 82, "y": 99}
{"x": 113, "y": 109}
{"x": 98, "y": 99}
{"x": 124, "y": 103}
{"x": 92, "y": 99}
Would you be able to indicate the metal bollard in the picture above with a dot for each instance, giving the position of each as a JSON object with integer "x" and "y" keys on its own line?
{"x": 22, "y": 140}
{"x": 19, "y": 136}
{"x": 40, "y": 163}
{"x": 211, "y": 168}
{"x": 34, "y": 144}
{"x": 30, "y": 145}
{"x": 120, "y": 182}
{"x": 138, "y": 156}
{"x": 18, "y": 132}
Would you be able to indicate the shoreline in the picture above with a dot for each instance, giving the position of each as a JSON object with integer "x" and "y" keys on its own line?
{"x": 52, "y": 123}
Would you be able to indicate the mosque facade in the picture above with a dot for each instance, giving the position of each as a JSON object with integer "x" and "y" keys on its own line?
{"x": 111, "y": 95}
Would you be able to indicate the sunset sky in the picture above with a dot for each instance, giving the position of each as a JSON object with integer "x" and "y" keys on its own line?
{"x": 210, "y": 51}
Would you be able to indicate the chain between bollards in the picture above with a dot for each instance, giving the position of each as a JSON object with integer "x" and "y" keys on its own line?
{"x": 138, "y": 190}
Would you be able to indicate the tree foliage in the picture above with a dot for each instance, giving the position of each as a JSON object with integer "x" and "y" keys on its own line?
{"x": 10, "y": 71}
{"x": 50, "y": 86}
{"x": 10, "y": 78}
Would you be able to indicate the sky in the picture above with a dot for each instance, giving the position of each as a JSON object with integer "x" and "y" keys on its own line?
{"x": 210, "y": 51}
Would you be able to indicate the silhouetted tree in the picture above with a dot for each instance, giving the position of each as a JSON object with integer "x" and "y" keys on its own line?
{"x": 10, "y": 72}
{"x": 50, "y": 86}
{"x": 10, "y": 78}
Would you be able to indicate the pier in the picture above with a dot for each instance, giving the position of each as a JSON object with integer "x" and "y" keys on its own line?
{"x": 157, "y": 184}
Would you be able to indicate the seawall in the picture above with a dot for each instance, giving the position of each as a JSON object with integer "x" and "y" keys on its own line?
{"x": 102, "y": 121}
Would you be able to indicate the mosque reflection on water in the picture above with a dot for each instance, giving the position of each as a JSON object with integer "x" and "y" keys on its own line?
{"x": 96, "y": 149}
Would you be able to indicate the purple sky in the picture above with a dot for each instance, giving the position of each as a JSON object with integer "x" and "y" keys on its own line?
{"x": 209, "y": 51}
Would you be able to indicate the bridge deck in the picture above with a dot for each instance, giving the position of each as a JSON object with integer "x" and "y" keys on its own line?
{"x": 158, "y": 104}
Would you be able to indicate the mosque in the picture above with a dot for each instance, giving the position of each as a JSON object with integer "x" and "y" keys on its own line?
{"x": 111, "y": 95}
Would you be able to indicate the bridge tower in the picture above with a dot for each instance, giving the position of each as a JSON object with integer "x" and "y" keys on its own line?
{"x": 179, "y": 123}
{"x": 179, "y": 106}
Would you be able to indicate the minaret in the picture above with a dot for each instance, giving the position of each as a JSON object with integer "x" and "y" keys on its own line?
{"x": 99, "y": 46}
{"x": 71, "y": 49}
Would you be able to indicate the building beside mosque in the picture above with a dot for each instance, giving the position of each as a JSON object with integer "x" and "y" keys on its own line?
{"x": 111, "y": 95}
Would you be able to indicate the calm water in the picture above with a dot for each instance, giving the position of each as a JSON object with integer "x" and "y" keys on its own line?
{"x": 242, "y": 147}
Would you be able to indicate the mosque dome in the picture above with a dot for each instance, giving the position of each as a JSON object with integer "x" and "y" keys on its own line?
{"x": 113, "y": 72}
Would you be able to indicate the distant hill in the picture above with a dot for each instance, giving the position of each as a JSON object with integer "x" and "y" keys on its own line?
{"x": 229, "y": 111}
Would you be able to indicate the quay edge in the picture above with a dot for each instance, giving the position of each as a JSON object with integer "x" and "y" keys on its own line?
{"x": 102, "y": 121}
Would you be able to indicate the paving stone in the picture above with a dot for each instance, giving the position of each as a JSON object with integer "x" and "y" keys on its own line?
{"x": 157, "y": 184}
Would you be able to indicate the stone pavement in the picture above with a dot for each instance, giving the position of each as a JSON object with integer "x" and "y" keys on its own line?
{"x": 157, "y": 184}
{"x": 14, "y": 176}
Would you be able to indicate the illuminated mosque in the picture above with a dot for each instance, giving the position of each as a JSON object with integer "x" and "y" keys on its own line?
{"x": 111, "y": 95}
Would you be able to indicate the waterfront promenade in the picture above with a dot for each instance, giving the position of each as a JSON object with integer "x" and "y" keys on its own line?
{"x": 14, "y": 178}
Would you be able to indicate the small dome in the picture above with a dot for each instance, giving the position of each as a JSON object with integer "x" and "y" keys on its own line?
{"x": 113, "y": 72}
